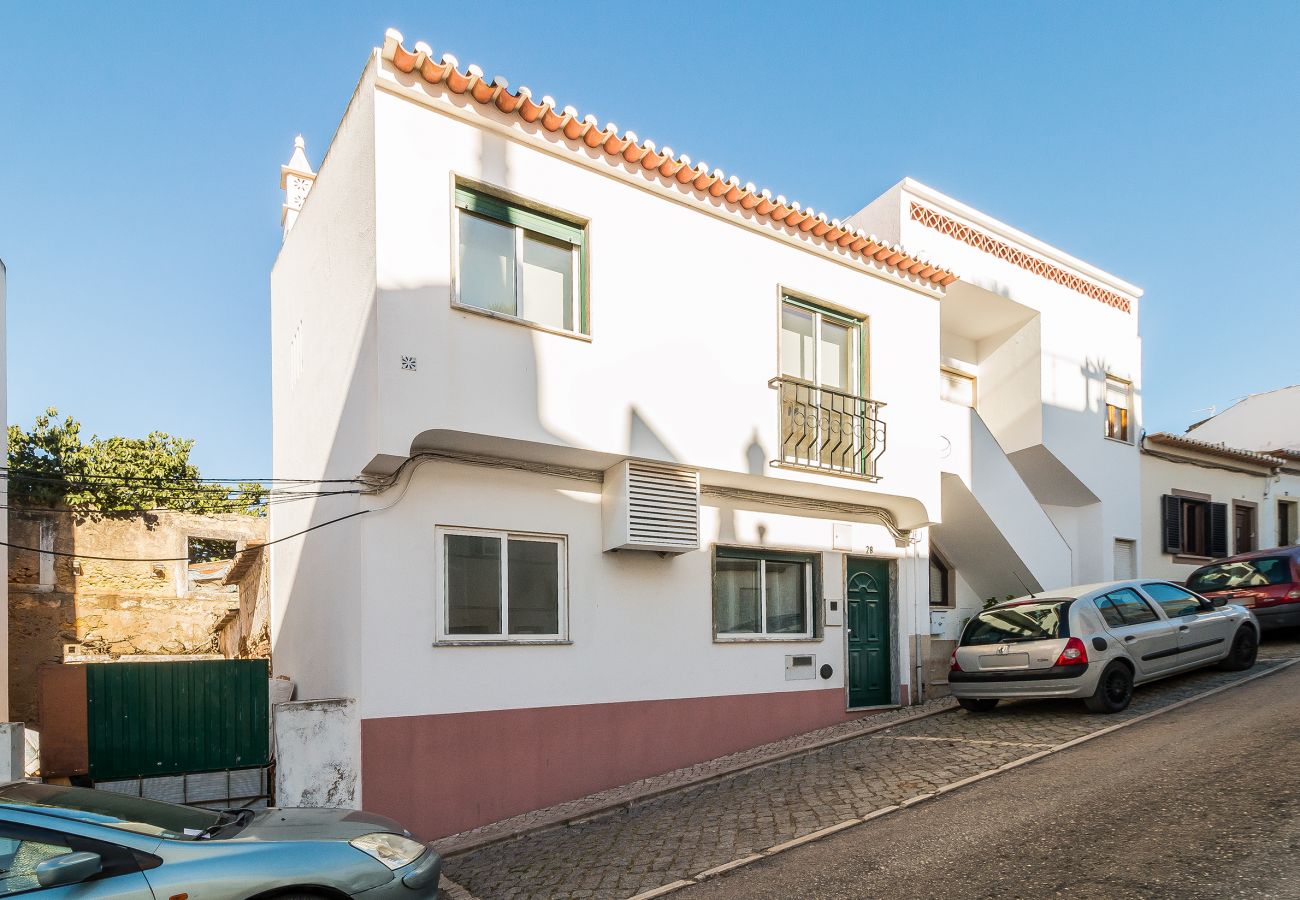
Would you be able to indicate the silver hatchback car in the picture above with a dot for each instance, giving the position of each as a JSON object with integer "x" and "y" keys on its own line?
{"x": 1095, "y": 642}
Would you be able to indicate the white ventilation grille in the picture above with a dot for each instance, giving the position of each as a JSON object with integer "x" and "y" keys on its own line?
{"x": 651, "y": 506}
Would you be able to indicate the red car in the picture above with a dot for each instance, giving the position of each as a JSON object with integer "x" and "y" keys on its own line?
{"x": 1266, "y": 581}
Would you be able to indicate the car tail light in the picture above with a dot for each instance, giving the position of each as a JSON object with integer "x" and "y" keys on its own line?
{"x": 1074, "y": 654}
{"x": 954, "y": 666}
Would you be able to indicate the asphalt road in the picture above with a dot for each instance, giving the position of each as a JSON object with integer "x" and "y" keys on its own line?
{"x": 1200, "y": 802}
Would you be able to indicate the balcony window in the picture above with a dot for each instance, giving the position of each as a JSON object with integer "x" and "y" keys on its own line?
{"x": 826, "y": 422}
{"x": 1119, "y": 396}
{"x": 762, "y": 594}
{"x": 520, "y": 263}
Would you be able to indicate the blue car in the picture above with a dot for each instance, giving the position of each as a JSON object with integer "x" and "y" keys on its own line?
{"x": 78, "y": 843}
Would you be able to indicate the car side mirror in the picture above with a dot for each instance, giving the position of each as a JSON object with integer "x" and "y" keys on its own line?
{"x": 1219, "y": 601}
{"x": 70, "y": 868}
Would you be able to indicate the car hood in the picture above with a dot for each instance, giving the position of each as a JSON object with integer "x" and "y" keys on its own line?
{"x": 315, "y": 825}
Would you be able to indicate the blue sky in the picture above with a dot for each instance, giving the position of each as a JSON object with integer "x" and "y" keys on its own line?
{"x": 140, "y": 148}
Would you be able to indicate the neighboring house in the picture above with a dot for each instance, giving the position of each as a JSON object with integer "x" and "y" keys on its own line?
{"x": 66, "y": 605}
{"x": 1040, "y": 373}
{"x": 1267, "y": 422}
{"x": 654, "y": 454}
{"x": 1202, "y": 501}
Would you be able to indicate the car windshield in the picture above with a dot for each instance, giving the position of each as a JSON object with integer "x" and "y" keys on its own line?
{"x": 164, "y": 820}
{"x": 1029, "y": 620}
{"x": 1243, "y": 573}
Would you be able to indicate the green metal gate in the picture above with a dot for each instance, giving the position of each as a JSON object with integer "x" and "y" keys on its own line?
{"x": 164, "y": 718}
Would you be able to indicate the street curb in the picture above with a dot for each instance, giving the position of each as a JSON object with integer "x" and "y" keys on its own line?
{"x": 956, "y": 785}
{"x": 627, "y": 803}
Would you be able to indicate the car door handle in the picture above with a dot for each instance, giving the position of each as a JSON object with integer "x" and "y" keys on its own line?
{"x": 1182, "y": 627}
{"x": 1130, "y": 638}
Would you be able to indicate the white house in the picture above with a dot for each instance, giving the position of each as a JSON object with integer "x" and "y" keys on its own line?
{"x": 643, "y": 438}
{"x": 1040, "y": 371}
{"x": 652, "y": 456}
{"x": 1203, "y": 501}
{"x": 1266, "y": 422}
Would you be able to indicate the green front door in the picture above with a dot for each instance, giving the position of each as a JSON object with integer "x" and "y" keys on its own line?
{"x": 867, "y": 619}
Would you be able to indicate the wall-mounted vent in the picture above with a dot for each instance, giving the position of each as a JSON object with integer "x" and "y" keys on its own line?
{"x": 651, "y": 506}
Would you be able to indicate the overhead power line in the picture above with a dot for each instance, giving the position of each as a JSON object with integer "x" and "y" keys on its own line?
{"x": 168, "y": 559}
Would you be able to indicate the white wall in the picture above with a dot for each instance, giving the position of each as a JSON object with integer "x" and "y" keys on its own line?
{"x": 685, "y": 305}
{"x": 1041, "y": 381}
{"x": 640, "y": 625}
{"x": 684, "y": 312}
{"x": 323, "y": 408}
{"x": 1263, "y": 422}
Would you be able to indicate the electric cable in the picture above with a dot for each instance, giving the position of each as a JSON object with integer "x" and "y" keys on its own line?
{"x": 184, "y": 559}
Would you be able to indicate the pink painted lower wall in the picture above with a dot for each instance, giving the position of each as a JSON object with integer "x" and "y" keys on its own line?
{"x": 442, "y": 774}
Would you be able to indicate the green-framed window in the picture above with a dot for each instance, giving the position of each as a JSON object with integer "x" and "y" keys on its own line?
{"x": 763, "y": 593}
{"x": 521, "y": 263}
{"x": 822, "y": 348}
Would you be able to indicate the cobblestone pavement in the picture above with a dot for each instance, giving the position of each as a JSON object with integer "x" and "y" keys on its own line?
{"x": 637, "y": 791}
{"x": 681, "y": 834}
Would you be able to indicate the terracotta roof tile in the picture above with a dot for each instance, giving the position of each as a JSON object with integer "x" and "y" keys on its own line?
{"x": 1221, "y": 450}
{"x": 627, "y": 147}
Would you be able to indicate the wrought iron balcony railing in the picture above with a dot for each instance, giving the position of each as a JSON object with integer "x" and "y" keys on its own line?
{"x": 829, "y": 430}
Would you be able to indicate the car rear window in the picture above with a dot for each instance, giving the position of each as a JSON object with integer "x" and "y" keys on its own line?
{"x": 1244, "y": 573}
{"x": 1029, "y": 620}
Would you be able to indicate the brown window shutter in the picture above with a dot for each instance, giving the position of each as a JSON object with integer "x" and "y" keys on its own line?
{"x": 1172, "y": 523}
{"x": 1218, "y": 529}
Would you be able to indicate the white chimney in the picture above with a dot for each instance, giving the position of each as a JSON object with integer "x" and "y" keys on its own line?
{"x": 296, "y": 180}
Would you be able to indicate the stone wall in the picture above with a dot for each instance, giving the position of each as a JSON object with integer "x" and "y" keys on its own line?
{"x": 117, "y": 609}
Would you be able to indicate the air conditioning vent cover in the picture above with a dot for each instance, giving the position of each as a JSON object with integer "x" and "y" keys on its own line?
{"x": 651, "y": 506}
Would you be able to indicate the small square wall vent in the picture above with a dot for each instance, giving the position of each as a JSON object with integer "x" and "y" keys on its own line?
{"x": 651, "y": 506}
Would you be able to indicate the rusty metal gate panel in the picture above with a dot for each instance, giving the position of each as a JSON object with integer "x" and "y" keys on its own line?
{"x": 161, "y": 718}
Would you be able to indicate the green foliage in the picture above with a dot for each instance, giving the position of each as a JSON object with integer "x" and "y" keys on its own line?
{"x": 51, "y": 465}
{"x": 994, "y": 601}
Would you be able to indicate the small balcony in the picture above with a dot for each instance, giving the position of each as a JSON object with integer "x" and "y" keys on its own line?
{"x": 828, "y": 431}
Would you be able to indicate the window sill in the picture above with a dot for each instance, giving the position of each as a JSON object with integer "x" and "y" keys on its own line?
{"x": 1115, "y": 440}
{"x": 505, "y": 642}
{"x": 515, "y": 320}
{"x": 764, "y": 639}
{"x": 1189, "y": 560}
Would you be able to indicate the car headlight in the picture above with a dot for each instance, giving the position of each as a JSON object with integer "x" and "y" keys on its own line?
{"x": 392, "y": 850}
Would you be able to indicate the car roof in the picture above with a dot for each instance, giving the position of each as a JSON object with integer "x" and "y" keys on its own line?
{"x": 1078, "y": 591}
{"x": 1257, "y": 554}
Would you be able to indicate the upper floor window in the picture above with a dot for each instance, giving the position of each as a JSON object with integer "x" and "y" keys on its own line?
{"x": 826, "y": 422}
{"x": 518, "y": 262}
{"x": 498, "y": 585}
{"x": 821, "y": 348}
{"x": 1119, "y": 396}
{"x": 956, "y": 387}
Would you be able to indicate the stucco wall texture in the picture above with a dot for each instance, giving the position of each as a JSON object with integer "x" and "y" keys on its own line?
{"x": 123, "y": 608}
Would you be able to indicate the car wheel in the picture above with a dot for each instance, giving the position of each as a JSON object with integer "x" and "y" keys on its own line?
{"x": 1114, "y": 689}
{"x": 972, "y": 705}
{"x": 1245, "y": 649}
